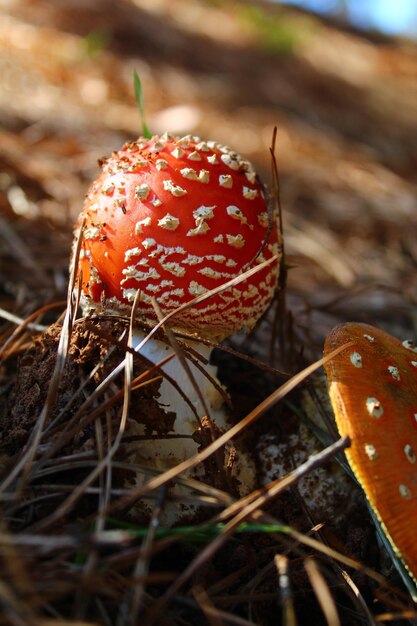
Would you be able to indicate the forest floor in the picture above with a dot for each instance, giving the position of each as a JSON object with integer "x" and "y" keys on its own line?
{"x": 343, "y": 103}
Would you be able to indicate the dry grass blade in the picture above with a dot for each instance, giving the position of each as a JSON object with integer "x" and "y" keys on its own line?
{"x": 280, "y": 321}
{"x": 141, "y": 569}
{"x": 335, "y": 555}
{"x": 26, "y": 324}
{"x": 288, "y": 613}
{"x": 215, "y": 616}
{"x": 382, "y": 618}
{"x": 206, "y": 605}
{"x": 83, "y": 595}
{"x": 322, "y": 592}
{"x": 200, "y": 362}
{"x": 14, "y": 611}
{"x": 18, "y": 577}
{"x": 233, "y": 352}
{"x": 18, "y": 321}
{"x": 180, "y": 356}
{"x": 358, "y": 598}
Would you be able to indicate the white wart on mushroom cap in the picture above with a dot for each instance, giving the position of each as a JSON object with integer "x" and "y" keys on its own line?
{"x": 174, "y": 218}
{"x": 373, "y": 391}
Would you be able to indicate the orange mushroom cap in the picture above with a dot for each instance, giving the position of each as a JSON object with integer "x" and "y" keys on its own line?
{"x": 174, "y": 218}
{"x": 373, "y": 391}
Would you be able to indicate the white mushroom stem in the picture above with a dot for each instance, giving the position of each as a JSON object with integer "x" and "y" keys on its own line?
{"x": 162, "y": 453}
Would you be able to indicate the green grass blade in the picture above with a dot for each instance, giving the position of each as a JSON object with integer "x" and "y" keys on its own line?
{"x": 139, "y": 99}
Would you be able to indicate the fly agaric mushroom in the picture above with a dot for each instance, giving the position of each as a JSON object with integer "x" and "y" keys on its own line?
{"x": 373, "y": 391}
{"x": 174, "y": 218}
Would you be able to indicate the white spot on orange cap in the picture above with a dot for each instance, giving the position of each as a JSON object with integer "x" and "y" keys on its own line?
{"x": 374, "y": 407}
{"x": 184, "y": 142}
{"x": 236, "y": 241}
{"x": 371, "y": 452}
{"x": 263, "y": 219}
{"x": 189, "y": 173}
{"x": 230, "y": 161}
{"x": 369, "y": 338}
{"x": 161, "y": 164}
{"x": 176, "y": 190}
{"x": 92, "y": 232}
{"x": 138, "y": 274}
{"x": 153, "y": 287}
{"x": 213, "y": 159}
{"x": 193, "y": 259}
{"x": 142, "y": 191}
{"x": 148, "y": 243}
{"x": 174, "y": 268}
{"x": 169, "y": 222}
{"x": 409, "y": 345}
{"x": 204, "y": 212}
{"x": 201, "y": 228}
{"x": 177, "y": 152}
{"x": 203, "y": 147}
{"x": 409, "y": 453}
{"x": 249, "y": 194}
{"x": 194, "y": 156}
{"x": 156, "y": 201}
{"x": 179, "y": 292}
{"x": 166, "y": 137}
{"x": 139, "y": 225}
{"x": 204, "y": 176}
{"x": 225, "y": 180}
{"x": 108, "y": 189}
{"x": 404, "y": 492}
{"x": 394, "y": 372}
{"x": 195, "y": 289}
{"x": 235, "y": 213}
{"x": 129, "y": 294}
{"x": 132, "y": 252}
{"x": 356, "y": 359}
{"x": 211, "y": 273}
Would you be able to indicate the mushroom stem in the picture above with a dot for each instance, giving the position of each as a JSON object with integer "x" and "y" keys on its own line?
{"x": 170, "y": 398}
{"x": 191, "y": 428}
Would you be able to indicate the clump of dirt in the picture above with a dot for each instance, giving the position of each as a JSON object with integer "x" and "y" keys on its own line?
{"x": 93, "y": 341}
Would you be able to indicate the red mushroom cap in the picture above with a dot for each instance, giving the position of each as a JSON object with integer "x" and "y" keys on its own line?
{"x": 173, "y": 218}
{"x": 373, "y": 391}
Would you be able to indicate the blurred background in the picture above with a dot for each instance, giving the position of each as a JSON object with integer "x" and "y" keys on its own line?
{"x": 337, "y": 78}
{"x": 396, "y": 18}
